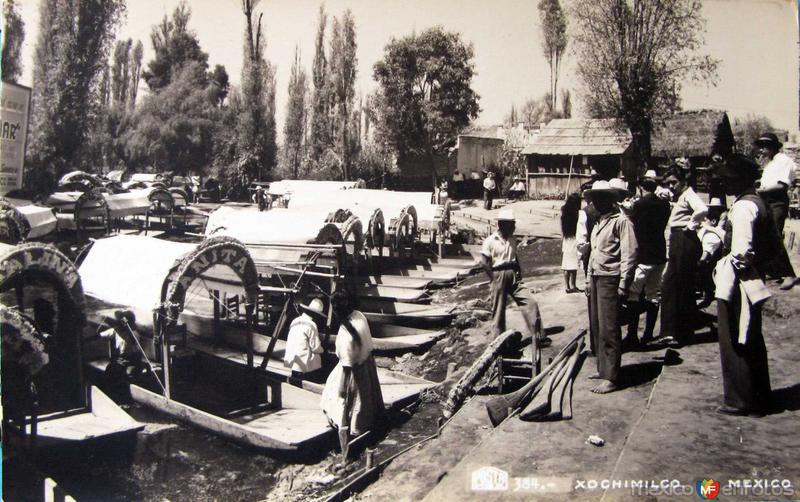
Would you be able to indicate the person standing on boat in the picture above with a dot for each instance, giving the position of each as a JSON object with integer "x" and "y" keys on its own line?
{"x": 352, "y": 398}
{"x": 501, "y": 264}
{"x": 303, "y": 345}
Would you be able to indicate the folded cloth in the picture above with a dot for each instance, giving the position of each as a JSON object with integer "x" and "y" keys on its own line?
{"x": 752, "y": 288}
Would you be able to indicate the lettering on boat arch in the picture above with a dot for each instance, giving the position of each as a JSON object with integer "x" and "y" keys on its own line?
{"x": 46, "y": 259}
{"x": 222, "y": 250}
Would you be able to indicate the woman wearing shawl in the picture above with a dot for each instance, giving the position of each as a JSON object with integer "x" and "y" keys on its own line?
{"x": 352, "y": 398}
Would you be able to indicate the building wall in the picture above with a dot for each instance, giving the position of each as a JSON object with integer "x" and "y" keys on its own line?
{"x": 554, "y": 185}
{"x": 478, "y": 154}
{"x": 607, "y": 166}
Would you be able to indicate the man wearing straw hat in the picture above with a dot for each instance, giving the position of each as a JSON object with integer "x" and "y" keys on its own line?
{"x": 303, "y": 345}
{"x": 776, "y": 179}
{"x": 501, "y": 264}
{"x": 612, "y": 265}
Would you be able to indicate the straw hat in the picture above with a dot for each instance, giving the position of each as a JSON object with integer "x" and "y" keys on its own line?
{"x": 618, "y": 184}
{"x": 125, "y": 315}
{"x": 314, "y": 308}
{"x": 650, "y": 173}
{"x": 506, "y": 214}
{"x": 598, "y": 187}
{"x": 715, "y": 202}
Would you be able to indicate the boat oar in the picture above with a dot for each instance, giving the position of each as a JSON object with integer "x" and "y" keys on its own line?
{"x": 498, "y": 407}
{"x": 344, "y": 426}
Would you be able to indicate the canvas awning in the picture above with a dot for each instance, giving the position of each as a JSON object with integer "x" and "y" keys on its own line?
{"x": 138, "y": 272}
{"x": 277, "y": 226}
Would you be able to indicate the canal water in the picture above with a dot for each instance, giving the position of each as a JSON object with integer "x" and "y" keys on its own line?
{"x": 166, "y": 461}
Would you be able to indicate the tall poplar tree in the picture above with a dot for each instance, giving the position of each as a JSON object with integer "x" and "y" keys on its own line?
{"x": 320, "y": 137}
{"x": 75, "y": 37}
{"x": 294, "y": 129}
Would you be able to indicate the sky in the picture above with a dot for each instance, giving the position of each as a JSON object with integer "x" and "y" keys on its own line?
{"x": 756, "y": 42}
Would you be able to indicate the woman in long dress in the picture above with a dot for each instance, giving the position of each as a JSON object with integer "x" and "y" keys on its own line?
{"x": 569, "y": 247}
{"x": 352, "y": 395}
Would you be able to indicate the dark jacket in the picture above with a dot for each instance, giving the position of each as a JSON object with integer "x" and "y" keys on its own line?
{"x": 650, "y": 216}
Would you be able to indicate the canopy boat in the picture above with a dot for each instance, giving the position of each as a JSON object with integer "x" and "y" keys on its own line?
{"x": 208, "y": 321}
{"x": 46, "y": 399}
{"x": 26, "y": 220}
{"x": 268, "y": 234}
{"x": 161, "y": 279}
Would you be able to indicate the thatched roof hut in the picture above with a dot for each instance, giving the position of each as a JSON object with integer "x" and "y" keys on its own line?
{"x": 696, "y": 135}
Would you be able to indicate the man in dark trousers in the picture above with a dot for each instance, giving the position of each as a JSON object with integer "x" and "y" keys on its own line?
{"x": 501, "y": 264}
{"x": 611, "y": 269}
{"x": 776, "y": 180}
{"x": 751, "y": 244}
{"x": 649, "y": 214}
{"x": 679, "y": 284}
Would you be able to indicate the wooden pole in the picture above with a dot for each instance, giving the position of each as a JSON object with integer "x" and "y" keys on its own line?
{"x": 569, "y": 177}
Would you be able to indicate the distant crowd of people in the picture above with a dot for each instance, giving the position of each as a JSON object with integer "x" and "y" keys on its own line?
{"x": 661, "y": 247}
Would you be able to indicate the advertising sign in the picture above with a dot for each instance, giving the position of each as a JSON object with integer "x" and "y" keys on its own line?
{"x": 15, "y": 101}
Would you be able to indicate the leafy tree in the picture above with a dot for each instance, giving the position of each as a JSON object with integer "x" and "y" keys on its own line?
{"x": 257, "y": 148}
{"x": 343, "y": 78}
{"x": 426, "y": 96}
{"x": 554, "y": 42}
{"x": 75, "y": 37}
{"x": 320, "y": 134}
{"x": 13, "y": 36}
{"x": 634, "y": 55}
{"x": 174, "y": 45}
{"x": 749, "y": 129}
{"x": 294, "y": 129}
{"x": 174, "y": 129}
{"x": 221, "y": 81}
{"x": 136, "y": 72}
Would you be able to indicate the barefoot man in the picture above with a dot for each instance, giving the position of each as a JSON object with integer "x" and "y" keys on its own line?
{"x": 612, "y": 266}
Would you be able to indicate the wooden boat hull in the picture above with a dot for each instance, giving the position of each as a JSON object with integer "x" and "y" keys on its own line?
{"x": 104, "y": 420}
{"x": 285, "y": 430}
{"x": 388, "y": 306}
{"x": 390, "y": 293}
{"x": 429, "y": 318}
{"x": 393, "y": 281}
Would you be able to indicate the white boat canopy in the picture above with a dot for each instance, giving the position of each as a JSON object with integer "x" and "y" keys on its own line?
{"x": 153, "y": 277}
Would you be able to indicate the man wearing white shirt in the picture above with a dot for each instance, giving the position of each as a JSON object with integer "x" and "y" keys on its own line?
{"x": 679, "y": 284}
{"x": 749, "y": 248}
{"x": 776, "y": 179}
{"x": 489, "y": 187}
